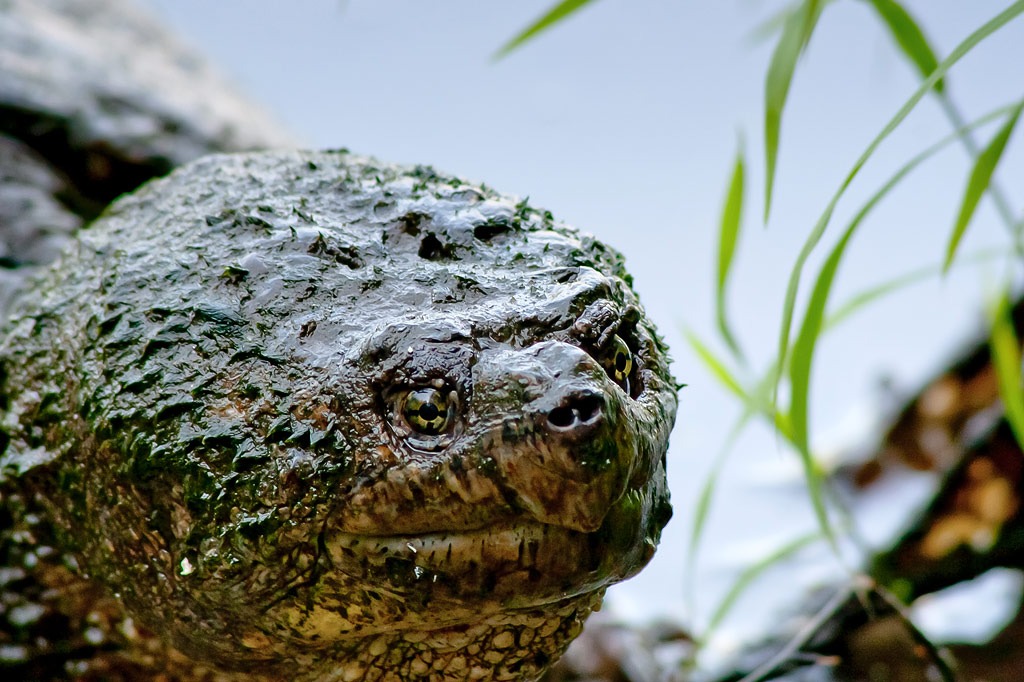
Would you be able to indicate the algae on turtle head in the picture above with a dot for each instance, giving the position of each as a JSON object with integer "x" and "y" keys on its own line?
{"x": 317, "y": 417}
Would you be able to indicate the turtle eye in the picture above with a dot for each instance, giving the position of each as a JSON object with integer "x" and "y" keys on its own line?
{"x": 426, "y": 410}
{"x": 618, "y": 362}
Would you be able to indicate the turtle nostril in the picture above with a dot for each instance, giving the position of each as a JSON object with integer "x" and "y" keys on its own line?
{"x": 588, "y": 407}
{"x": 562, "y": 417}
{"x": 577, "y": 413}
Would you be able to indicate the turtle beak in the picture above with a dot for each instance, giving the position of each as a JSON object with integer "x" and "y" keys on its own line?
{"x": 557, "y": 432}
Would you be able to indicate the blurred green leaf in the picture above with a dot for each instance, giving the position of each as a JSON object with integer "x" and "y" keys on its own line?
{"x": 810, "y": 330}
{"x": 981, "y": 176}
{"x": 813, "y": 323}
{"x": 963, "y": 48}
{"x": 758, "y": 401}
{"x": 732, "y": 215}
{"x": 1006, "y": 358}
{"x": 806, "y": 340}
{"x": 796, "y": 32}
{"x": 703, "y": 505}
{"x": 764, "y": 404}
{"x": 775, "y": 22}
{"x": 700, "y": 510}
{"x": 751, "y": 573}
{"x": 880, "y": 290}
{"x": 800, "y": 376}
{"x": 554, "y": 15}
{"x": 909, "y": 36}
{"x": 717, "y": 367}
{"x": 872, "y": 294}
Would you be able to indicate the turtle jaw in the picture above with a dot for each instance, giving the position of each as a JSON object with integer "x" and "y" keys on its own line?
{"x": 429, "y": 581}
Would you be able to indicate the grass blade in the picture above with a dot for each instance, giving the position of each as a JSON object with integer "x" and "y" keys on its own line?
{"x": 554, "y": 15}
{"x": 915, "y": 46}
{"x": 800, "y": 377}
{"x": 703, "y": 505}
{"x": 807, "y": 338}
{"x": 796, "y": 32}
{"x": 963, "y": 48}
{"x": 763, "y": 404}
{"x": 700, "y": 512}
{"x": 728, "y": 235}
{"x": 717, "y": 367}
{"x": 872, "y": 294}
{"x": 1006, "y": 358}
{"x": 749, "y": 574}
{"x": 909, "y": 37}
{"x": 775, "y": 22}
{"x": 981, "y": 176}
{"x": 707, "y": 491}
{"x": 878, "y": 291}
{"x": 813, "y": 323}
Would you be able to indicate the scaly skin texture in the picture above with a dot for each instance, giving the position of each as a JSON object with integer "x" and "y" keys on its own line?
{"x": 206, "y": 406}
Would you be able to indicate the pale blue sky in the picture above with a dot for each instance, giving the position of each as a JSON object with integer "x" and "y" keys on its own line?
{"x": 623, "y": 122}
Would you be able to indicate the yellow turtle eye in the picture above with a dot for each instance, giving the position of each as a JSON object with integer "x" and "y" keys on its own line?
{"x": 619, "y": 362}
{"x": 426, "y": 411}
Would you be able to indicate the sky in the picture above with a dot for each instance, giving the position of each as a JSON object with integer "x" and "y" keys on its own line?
{"x": 624, "y": 121}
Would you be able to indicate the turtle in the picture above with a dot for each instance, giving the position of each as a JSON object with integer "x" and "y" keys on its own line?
{"x": 307, "y": 415}
{"x": 311, "y": 415}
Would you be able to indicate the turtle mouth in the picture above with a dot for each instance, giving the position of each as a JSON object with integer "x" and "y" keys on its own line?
{"x": 519, "y": 563}
{"x": 511, "y": 564}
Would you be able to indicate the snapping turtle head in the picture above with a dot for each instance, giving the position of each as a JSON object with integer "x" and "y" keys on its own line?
{"x": 314, "y": 416}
